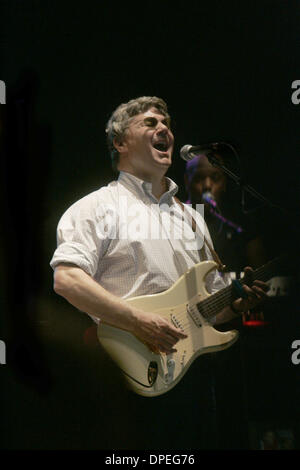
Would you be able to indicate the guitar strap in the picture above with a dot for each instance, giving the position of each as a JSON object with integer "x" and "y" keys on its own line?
{"x": 216, "y": 258}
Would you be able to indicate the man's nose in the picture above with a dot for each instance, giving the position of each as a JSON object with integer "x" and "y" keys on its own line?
{"x": 207, "y": 183}
{"x": 162, "y": 128}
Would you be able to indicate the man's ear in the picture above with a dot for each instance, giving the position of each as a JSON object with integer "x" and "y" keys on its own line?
{"x": 119, "y": 145}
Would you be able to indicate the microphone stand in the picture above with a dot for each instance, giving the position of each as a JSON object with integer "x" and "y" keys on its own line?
{"x": 244, "y": 187}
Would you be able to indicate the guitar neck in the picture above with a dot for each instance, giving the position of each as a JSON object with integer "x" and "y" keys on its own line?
{"x": 215, "y": 303}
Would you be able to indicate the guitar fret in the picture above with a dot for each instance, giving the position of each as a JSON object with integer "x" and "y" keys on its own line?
{"x": 211, "y": 306}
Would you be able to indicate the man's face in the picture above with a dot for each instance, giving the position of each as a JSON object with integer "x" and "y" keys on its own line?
{"x": 147, "y": 145}
{"x": 204, "y": 178}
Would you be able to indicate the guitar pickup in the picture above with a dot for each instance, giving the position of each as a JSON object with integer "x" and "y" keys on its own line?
{"x": 176, "y": 322}
{"x": 194, "y": 314}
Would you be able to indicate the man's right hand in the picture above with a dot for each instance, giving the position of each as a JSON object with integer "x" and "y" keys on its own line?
{"x": 156, "y": 332}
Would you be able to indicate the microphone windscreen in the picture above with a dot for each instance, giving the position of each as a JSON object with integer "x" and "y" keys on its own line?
{"x": 185, "y": 153}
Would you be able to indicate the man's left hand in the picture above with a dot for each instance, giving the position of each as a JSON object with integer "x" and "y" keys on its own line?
{"x": 254, "y": 295}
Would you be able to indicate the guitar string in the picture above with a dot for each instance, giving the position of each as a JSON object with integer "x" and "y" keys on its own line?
{"x": 181, "y": 315}
{"x": 209, "y": 304}
{"x": 212, "y": 307}
{"x": 209, "y": 307}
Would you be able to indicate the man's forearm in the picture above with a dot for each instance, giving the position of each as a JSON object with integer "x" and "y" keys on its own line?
{"x": 87, "y": 295}
{"x": 78, "y": 288}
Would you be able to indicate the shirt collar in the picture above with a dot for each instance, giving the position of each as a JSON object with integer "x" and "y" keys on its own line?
{"x": 142, "y": 188}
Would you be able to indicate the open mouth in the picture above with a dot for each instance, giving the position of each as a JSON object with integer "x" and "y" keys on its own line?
{"x": 161, "y": 146}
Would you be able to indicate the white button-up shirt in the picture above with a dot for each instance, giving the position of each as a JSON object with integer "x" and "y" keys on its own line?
{"x": 130, "y": 243}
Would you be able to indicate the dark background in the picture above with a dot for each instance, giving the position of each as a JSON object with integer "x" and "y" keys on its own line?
{"x": 225, "y": 70}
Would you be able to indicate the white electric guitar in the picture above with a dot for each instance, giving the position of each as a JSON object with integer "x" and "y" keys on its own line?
{"x": 188, "y": 306}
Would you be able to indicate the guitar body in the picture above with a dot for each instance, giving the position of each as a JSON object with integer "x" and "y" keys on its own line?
{"x": 150, "y": 374}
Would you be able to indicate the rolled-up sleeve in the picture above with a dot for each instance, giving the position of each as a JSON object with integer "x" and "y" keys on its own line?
{"x": 81, "y": 239}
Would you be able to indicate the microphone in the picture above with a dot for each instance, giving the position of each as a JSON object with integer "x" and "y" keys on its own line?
{"x": 188, "y": 152}
{"x": 208, "y": 197}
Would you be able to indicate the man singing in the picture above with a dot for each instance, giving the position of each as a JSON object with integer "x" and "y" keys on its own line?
{"x": 96, "y": 269}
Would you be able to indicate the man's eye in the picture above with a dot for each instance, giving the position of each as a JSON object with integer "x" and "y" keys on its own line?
{"x": 151, "y": 122}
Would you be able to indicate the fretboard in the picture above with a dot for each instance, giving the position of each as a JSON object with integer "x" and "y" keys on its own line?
{"x": 215, "y": 303}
